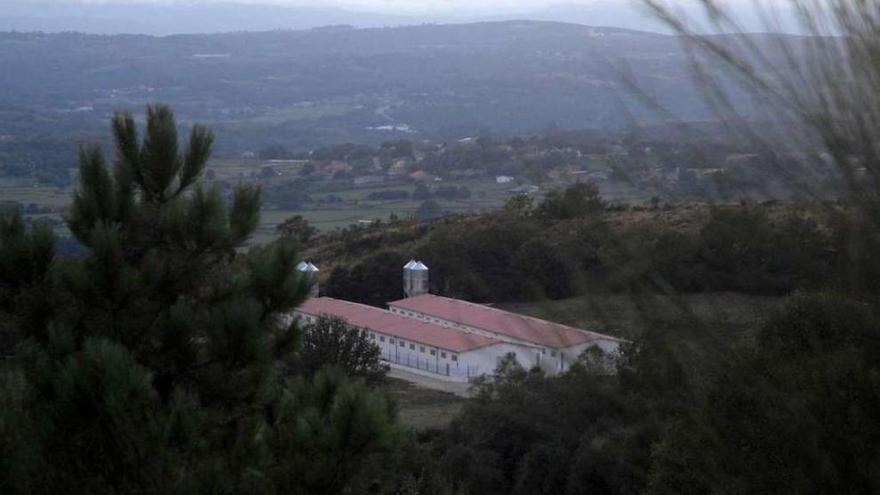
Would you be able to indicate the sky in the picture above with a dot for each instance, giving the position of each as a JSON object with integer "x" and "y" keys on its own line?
{"x": 392, "y": 6}
{"x": 32, "y": 15}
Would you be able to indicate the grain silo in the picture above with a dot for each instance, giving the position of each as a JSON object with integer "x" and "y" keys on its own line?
{"x": 311, "y": 273}
{"x": 415, "y": 278}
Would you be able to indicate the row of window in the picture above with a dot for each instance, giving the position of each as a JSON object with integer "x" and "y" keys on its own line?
{"x": 457, "y": 325}
{"x": 552, "y": 352}
{"x": 420, "y": 316}
{"x": 412, "y": 346}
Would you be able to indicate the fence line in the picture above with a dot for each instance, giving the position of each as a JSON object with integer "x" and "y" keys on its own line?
{"x": 430, "y": 365}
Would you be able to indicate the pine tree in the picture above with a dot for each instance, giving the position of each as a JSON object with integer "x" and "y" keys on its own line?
{"x": 332, "y": 342}
{"x": 158, "y": 363}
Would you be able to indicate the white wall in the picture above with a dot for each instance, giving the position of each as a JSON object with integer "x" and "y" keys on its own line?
{"x": 484, "y": 360}
{"x": 435, "y": 360}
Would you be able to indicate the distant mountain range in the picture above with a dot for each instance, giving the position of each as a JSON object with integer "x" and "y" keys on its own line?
{"x": 323, "y": 86}
{"x": 193, "y": 18}
{"x": 164, "y": 19}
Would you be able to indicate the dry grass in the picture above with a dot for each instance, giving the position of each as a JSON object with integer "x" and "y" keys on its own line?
{"x": 421, "y": 408}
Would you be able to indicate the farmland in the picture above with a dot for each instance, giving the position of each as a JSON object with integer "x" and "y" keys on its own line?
{"x": 350, "y": 204}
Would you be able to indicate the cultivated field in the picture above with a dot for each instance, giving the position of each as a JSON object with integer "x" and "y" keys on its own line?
{"x": 351, "y": 205}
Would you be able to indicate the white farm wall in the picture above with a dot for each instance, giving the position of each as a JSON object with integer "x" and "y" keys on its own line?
{"x": 529, "y": 355}
{"x": 470, "y": 364}
{"x": 437, "y": 361}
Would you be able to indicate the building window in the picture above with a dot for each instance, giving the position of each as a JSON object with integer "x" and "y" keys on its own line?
{"x": 433, "y": 352}
{"x": 421, "y": 348}
{"x": 553, "y": 353}
{"x": 443, "y": 355}
{"x": 412, "y": 346}
{"x": 381, "y": 338}
{"x": 391, "y": 340}
{"x": 402, "y": 344}
{"x": 454, "y": 357}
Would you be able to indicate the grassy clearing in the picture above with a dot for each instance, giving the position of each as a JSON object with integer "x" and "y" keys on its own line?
{"x": 42, "y": 196}
{"x": 422, "y": 409}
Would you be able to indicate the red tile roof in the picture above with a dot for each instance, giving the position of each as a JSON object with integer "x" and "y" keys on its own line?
{"x": 515, "y": 326}
{"x": 388, "y": 323}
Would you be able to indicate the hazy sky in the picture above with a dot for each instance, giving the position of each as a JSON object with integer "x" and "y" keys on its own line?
{"x": 399, "y": 6}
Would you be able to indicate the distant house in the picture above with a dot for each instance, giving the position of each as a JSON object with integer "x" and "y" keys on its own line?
{"x": 422, "y": 176}
{"x": 335, "y": 167}
{"x": 590, "y": 176}
{"x": 248, "y": 155}
{"x": 504, "y": 179}
{"x": 468, "y": 172}
{"x": 525, "y": 189}
{"x": 400, "y": 167}
{"x": 366, "y": 180}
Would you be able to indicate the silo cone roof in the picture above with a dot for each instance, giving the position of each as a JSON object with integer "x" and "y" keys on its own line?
{"x": 410, "y": 265}
{"x": 305, "y": 266}
{"x": 420, "y": 266}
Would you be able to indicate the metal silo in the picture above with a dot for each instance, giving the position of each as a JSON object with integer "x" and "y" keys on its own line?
{"x": 407, "y": 277}
{"x": 415, "y": 278}
{"x": 311, "y": 273}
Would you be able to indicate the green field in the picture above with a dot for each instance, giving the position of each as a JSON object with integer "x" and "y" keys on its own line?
{"x": 24, "y": 191}
{"x": 350, "y": 207}
{"x": 353, "y": 209}
{"x": 420, "y": 408}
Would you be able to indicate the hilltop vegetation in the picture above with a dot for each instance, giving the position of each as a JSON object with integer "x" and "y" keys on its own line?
{"x": 572, "y": 243}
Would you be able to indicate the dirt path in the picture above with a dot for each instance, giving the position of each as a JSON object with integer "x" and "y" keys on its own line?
{"x": 458, "y": 389}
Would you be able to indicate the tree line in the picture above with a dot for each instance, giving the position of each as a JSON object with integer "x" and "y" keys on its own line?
{"x": 574, "y": 243}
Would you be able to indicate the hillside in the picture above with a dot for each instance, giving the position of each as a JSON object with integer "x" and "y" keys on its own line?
{"x": 321, "y": 86}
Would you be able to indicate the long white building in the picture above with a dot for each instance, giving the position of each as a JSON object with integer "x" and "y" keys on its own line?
{"x": 433, "y": 349}
{"x": 554, "y": 347}
{"x": 456, "y": 340}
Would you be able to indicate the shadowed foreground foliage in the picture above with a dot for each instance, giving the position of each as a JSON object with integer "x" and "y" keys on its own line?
{"x": 332, "y": 342}
{"x": 159, "y": 362}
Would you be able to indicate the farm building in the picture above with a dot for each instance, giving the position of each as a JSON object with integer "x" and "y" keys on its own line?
{"x": 416, "y": 345}
{"x": 452, "y": 339}
{"x": 556, "y": 346}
